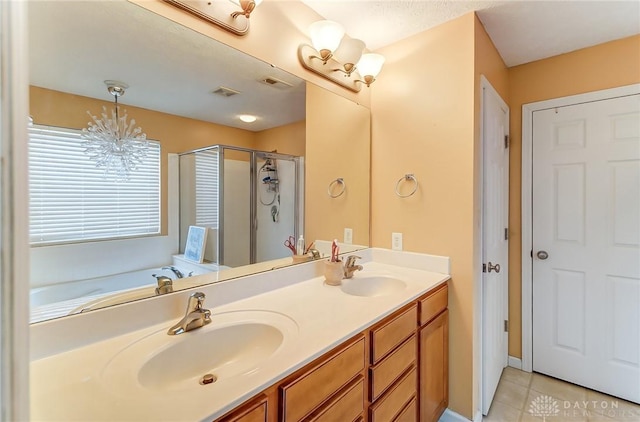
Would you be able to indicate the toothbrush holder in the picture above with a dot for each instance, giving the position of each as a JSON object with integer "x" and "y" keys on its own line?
{"x": 298, "y": 259}
{"x": 333, "y": 273}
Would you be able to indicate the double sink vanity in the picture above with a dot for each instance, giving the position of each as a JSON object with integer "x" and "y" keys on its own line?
{"x": 280, "y": 345}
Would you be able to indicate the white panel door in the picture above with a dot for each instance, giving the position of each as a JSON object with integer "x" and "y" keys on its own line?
{"x": 586, "y": 245}
{"x": 495, "y": 126}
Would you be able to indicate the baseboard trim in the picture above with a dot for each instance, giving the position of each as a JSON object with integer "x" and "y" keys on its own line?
{"x": 478, "y": 417}
{"x": 515, "y": 362}
{"x": 451, "y": 416}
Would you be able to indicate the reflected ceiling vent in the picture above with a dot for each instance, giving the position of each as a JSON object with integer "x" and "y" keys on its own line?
{"x": 223, "y": 91}
{"x": 276, "y": 83}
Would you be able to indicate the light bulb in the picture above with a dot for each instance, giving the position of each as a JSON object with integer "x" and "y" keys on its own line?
{"x": 370, "y": 64}
{"x": 326, "y": 35}
{"x": 247, "y": 118}
{"x": 349, "y": 53}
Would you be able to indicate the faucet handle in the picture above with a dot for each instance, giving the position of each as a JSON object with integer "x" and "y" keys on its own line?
{"x": 196, "y": 300}
{"x": 351, "y": 259}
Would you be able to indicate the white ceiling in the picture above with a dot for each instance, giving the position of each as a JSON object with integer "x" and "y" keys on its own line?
{"x": 522, "y": 31}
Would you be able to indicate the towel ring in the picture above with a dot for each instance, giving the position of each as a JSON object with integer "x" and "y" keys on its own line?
{"x": 408, "y": 176}
{"x": 338, "y": 181}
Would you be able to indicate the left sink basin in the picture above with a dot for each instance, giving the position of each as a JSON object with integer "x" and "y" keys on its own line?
{"x": 233, "y": 345}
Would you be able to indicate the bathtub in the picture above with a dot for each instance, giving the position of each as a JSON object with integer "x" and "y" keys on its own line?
{"x": 75, "y": 296}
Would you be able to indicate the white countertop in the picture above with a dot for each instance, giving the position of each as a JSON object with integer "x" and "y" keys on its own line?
{"x": 71, "y": 385}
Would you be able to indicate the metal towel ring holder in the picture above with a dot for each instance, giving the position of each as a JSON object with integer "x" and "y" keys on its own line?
{"x": 338, "y": 181}
{"x": 408, "y": 176}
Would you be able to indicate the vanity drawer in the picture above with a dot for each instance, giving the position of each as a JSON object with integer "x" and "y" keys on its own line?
{"x": 346, "y": 406}
{"x": 394, "y": 401}
{"x": 256, "y": 411}
{"x": 433, "y": 304}
{"x": 386, "y": 337}
{"x": 392, "y": 367}
{"x": 312, "y": 388}
{"x": 410, "y": 413}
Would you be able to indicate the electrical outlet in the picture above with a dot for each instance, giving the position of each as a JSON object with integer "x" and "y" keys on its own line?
{"x": 396, "y": 241}
{"x": 348, "y": 236}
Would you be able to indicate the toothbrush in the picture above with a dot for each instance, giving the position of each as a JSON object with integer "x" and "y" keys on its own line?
{"x": 335, "y": 250}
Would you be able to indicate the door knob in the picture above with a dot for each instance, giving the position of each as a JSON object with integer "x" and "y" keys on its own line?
{"x": 492, "y": 267}
{"x": 542, "y": 255}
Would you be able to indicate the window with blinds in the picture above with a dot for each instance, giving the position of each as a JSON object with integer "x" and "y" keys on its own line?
{"x": 206, "y": 176}
{"x": 70, "y": 200}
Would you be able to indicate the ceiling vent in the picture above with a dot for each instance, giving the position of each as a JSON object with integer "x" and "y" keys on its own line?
{"x": 276, "y": 83}
{"x": 223, "y": 91}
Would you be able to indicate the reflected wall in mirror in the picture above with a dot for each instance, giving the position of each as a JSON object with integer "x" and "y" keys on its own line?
{"x": 172, "y": 72}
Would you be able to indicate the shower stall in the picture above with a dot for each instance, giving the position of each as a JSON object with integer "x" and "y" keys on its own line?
{"x": 249, "y": 201}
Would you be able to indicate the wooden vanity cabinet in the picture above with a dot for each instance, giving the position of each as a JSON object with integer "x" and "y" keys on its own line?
{"x": 328, "y": 387}
{"x": 393, "y": 358}
{"x": 256, "y": 410}
{"x": 395, "y": 371}
{"x": 434, "y": 355}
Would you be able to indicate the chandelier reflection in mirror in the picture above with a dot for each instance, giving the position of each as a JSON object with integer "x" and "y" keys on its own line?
{"x": 114, "y": 144}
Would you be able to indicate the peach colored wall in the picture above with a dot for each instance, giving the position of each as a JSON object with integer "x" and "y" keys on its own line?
{"x": 277, "y": 29}
{"x": 608, "y": 65}
{"x": 488, "y": 63}
{"x": 423, "y": 123}
{"x": 286, "y": 139}
{"x": 338, "y": 145}
{"x": 176, "y": 134}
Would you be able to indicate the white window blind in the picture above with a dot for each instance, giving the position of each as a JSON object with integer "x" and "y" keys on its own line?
{"x": 207, "y": 188}
{"x": 70, "y": 199}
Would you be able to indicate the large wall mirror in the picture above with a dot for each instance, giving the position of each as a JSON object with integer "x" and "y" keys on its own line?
{"x": 98, "y": 241}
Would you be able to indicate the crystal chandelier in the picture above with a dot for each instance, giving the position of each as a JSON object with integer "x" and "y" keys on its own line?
{"x": 113, "y": 143}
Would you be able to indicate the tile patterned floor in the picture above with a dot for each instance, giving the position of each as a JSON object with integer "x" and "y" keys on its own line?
{"x": 526, "y": 397}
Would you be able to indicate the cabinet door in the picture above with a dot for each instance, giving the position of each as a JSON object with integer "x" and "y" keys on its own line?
{"x": 306, "y": 392}
{"x": 255, "y": 411}
{"x": 434, "y": 368}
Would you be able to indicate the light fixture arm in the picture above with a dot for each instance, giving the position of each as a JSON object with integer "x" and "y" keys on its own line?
{"x": 217, "y": 12}
{"x": 247, "y": 7}
{"x": 368, "y": 80}
{"x": 309, "y": 59}
{"x": 348, "y": 69}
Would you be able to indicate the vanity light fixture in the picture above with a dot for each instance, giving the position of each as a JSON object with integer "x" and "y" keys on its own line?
{"x": 369, "y": 66}
{"x": 221, "y": 13}
{"x": 348, "y": 54}
{"x": 247, "y": 118}
{"x": 112, "y": 142}
{"x": 338, "y": 58}
{"x": 325, "y": 38}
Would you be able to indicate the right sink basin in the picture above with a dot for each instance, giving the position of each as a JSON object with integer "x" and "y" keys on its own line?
{"x": 372, "y": 285}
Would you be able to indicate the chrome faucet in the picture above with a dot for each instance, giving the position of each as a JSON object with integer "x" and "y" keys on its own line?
{"x": 195, "y": 317}
{"x": 176, "y": 271}
{"x": 350, "y": 267}
{"x": 165, "y": 284}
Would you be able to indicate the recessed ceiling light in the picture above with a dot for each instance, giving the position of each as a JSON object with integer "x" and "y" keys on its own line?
{"x": 247, "y": 118}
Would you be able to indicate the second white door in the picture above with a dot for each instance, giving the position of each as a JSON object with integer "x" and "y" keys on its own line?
{"x": 586, "y": 245}
{"x": 495, "y": 246}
